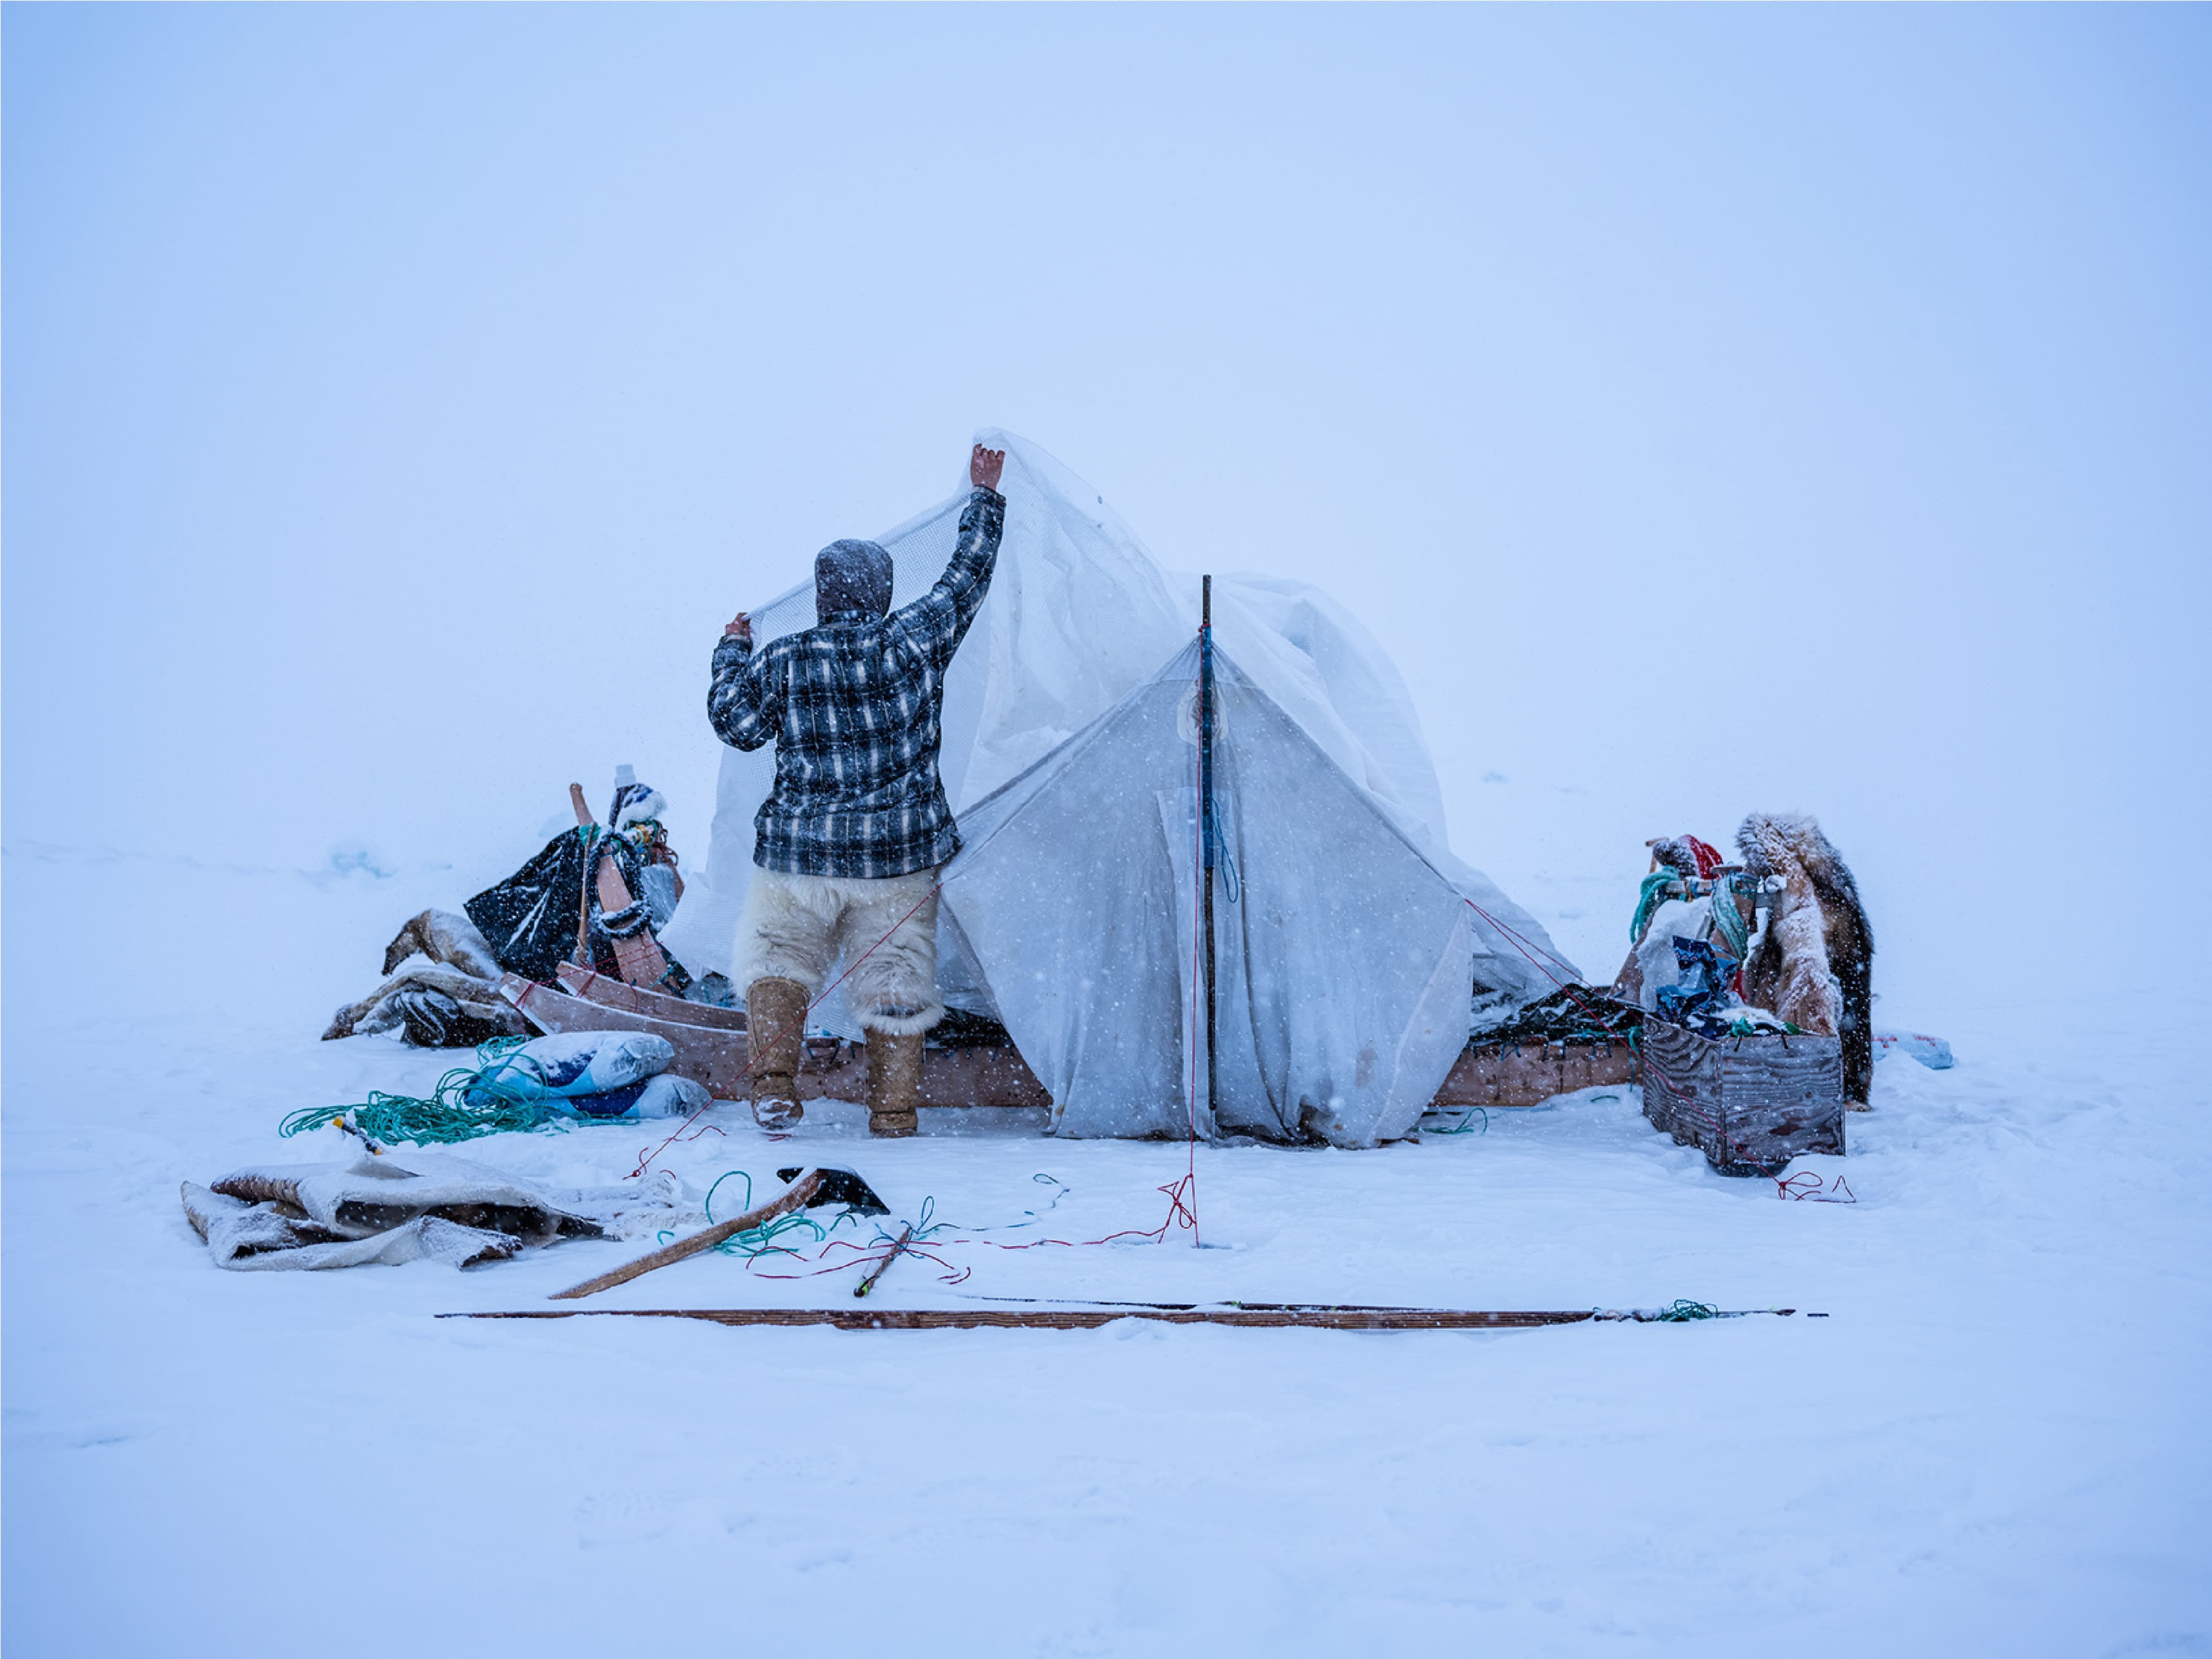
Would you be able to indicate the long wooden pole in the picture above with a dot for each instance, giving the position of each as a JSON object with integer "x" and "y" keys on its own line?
{"x": 1208, "y": 832}
{"x": 1275, "y": 1316}
{"x": 796, "y": 1196}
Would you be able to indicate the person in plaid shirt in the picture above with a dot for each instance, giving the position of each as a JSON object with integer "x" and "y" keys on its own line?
{"x": 849, "y": 843}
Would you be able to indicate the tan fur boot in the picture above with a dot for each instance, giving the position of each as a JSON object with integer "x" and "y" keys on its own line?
{"x": 894, "y": 1083}
{"x": 775, "y": 1023}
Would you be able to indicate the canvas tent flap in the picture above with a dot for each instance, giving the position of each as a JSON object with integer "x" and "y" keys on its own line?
{"x": 1068, "y": 895}
{"x": 1343, "y": 956}
{"x": 1078, "y": 620}
{"x": 1328, "y": 674}
{"x": 1079, "y": 615}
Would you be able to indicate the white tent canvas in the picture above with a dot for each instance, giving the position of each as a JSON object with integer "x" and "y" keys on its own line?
{"x": 1351, "y": 963}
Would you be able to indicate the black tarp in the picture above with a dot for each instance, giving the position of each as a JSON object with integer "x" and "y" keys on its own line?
{"x": 530, "y": 919}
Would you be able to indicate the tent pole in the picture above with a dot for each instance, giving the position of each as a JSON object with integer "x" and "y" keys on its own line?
{"x": 1207, "y": 832}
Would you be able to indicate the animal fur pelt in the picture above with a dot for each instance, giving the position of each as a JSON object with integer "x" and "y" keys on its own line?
{"x": 797, "y": 927}
{"x": 443, "y": 937}
{"x": 440, "y": 983}
{"x": 1814, "y": 965}
{"x": 441, "y": 1006}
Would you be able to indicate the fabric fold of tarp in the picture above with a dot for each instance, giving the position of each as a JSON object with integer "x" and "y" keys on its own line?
{"x": 530, "y": 920}
{"x": 1063, "y": 669}
{"x": 1343, "y": 964}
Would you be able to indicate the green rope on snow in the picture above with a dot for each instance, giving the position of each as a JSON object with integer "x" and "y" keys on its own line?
{"x": 461, "y": 1108}
{"x": 1679, "y": 1312}
{"x": 1461, "y": 1128}
{"x": 757, "y": 1241}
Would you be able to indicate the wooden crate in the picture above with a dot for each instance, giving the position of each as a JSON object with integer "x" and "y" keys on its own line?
{"x": 1750, "y": 1104}
{"x": 1528, "y": 1074}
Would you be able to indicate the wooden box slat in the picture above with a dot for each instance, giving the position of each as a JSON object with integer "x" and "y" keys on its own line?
{"x": 1750, "y": 1104}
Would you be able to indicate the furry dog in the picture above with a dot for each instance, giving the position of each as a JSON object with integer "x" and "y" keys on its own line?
{"x": 1814, "y": 965}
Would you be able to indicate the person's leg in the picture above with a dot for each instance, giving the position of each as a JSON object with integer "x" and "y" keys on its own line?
{"x": 889, "y": 935}
{"x": 784, "y": 949}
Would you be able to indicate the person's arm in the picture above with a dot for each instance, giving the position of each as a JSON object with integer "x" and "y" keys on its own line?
{"x": 939, "y": 618}
{"x": 737, "y": 701}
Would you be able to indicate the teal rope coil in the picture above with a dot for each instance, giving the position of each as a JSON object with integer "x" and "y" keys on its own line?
{"x": 461, "y": 1108}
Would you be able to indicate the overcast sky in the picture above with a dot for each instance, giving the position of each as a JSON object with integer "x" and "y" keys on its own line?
{"x": 1709, "y": 410}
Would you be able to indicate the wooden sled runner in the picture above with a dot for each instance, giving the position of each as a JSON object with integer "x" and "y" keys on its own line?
{"x": 1529, "y": 1073}
{"x": 714, "y": 1054}
{"x": 611, "y": 992}
{"x": 710, "y": 1048}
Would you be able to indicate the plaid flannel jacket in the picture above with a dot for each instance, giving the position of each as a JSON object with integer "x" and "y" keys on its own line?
{"x": 852, "y": 705}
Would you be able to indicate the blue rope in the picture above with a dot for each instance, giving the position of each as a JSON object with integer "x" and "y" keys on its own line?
{"x": 1230, "y": 881}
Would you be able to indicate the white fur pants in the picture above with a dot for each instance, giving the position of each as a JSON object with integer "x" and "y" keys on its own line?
{"x": 799, "y": 926}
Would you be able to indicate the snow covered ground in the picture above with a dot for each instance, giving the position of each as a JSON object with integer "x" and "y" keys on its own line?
{"x": 1994, "y": 1443}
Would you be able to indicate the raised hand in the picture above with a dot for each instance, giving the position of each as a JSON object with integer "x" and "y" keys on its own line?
{"x": 984, "y": 466}
{"x": 740, "y": 626}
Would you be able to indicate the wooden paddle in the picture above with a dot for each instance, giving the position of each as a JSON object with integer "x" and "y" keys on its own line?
{"x": 640, "y": 957}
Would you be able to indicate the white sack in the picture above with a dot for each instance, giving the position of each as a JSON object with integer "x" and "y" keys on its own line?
{"x": 1690, "y": 918}
{"x": 571, "y": 1063}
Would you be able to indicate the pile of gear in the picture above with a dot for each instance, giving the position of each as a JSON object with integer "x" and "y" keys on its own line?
{"x": 442, "y": 971}
{"x": 1572, "y": 1013}
{"x": 1777, "y": 942}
